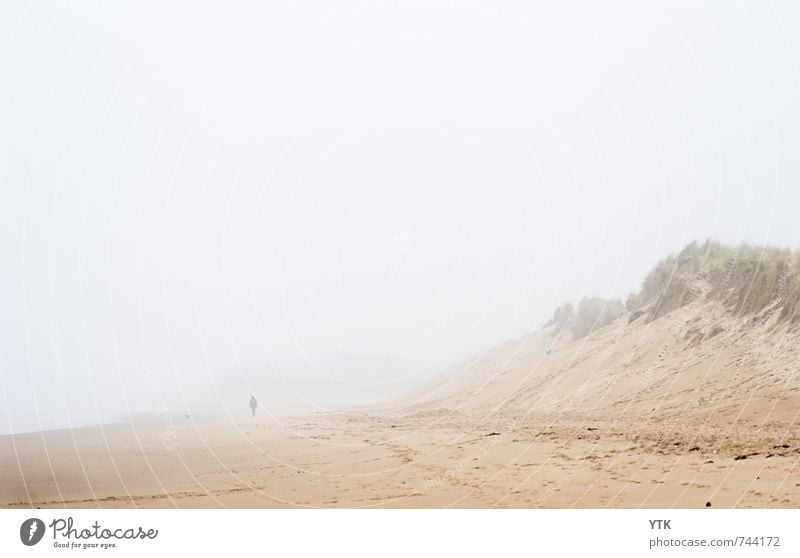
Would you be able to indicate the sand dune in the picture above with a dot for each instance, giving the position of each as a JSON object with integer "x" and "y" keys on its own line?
{"x": 685, "y": 408}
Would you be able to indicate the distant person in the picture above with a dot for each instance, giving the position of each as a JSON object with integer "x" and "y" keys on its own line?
{"x": 253, "y": 405}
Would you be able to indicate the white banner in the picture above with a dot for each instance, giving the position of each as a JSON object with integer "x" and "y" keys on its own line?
{"x": 401, "y": 533}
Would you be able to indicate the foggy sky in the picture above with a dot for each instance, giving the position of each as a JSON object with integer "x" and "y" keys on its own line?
{"x": 325, "y": 204}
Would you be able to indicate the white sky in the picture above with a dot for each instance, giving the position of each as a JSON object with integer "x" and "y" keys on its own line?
{"x": 326, "y": 203}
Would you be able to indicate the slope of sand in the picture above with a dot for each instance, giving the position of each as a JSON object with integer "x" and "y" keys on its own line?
{"x": 695, "y": 407}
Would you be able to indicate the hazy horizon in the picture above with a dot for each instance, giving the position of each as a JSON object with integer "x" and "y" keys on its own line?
{"x": 327, "y": 205}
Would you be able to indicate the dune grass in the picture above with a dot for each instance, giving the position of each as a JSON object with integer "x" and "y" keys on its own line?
{"x": 746, "y": 279}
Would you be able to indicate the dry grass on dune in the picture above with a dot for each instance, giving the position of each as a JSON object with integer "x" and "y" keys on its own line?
{"x": 727, "y": 337}
{"x": 591, "y": 314}
{"x": 745, "y": 279}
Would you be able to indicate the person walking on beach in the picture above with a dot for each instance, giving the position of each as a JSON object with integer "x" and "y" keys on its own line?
{"x": 253, "y": 405}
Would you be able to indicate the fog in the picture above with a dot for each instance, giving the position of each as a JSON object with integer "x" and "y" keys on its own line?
{"x": 326, "y": 204}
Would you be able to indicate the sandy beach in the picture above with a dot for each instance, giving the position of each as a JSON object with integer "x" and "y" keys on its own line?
{"x": 674, "y": 400}
{"x": 369, "y": 461}
{"x": 636, "y": 414}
